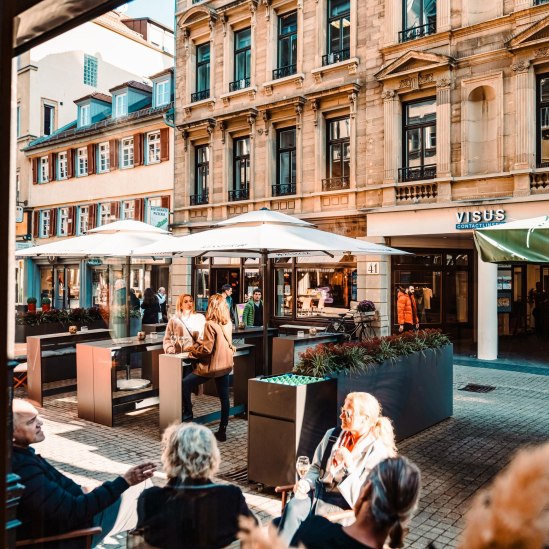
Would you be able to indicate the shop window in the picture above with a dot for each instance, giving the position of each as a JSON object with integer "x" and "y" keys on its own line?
{"x": 202, "y": 289}
{"x": 419, "y": 141}
{"x": 104, "y": 157}
{"x": 242, "y": 60}
{"x": 127, "y": 152}
{"x": 83, "y": 219}
{"x": 285, "y": 162}
{"x": 202, "y": 73}
{"x": 542, "y": 138}
{"x": 44, "y": 170}
{"x": 82, "y": 161}
{"x": 338, "y": 154}
{"x": 284, "y": 292}
{"x": 62, "y": 165}
{"x": 153, "y": 147}
{"x": 427, "y": 292}
{"x": 201, "y": 175}
{"x": 339, "y": 32}
{"x": 241, "y": 169}
{"x": 287, "y": 46}
{"x": 419, "y": 19}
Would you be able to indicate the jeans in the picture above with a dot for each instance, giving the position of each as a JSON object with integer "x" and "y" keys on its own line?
{"x": 192, "y": 381}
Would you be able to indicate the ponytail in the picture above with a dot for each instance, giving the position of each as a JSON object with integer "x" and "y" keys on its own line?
{"x": 396, "y": 535}
{"x": 383, "y": 429}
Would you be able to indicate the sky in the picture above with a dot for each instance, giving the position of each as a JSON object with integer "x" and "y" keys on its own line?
{"x": 159, "y": 10}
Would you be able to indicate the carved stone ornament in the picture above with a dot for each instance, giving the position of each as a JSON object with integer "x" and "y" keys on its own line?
{"x": 353, "y": 97}
{"x": 224, "y": 23}
{"x": 541, "y": 52}
{"x": 521, "y": 66}
{"x": 444, "y": 83}
{"x": 222, "y": 129}
{"x": 314, "y": 107}
{"x": 298, "y": 117}
{"x": 388, "y": 95}
{"x": 187, "y": 111}
{"x": 425, "y": 78}
{"x": 266, "y": 120}
{"x": 405, "y": 83}
{"x": 185, "y": 136}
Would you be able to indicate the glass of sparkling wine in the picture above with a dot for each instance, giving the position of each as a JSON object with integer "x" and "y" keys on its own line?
{"x": 302, "y": 466}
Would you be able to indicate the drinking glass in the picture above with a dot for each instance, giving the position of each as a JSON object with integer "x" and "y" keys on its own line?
{"x": 302, "y": 466}
{"x": 181, "y": 341}
{"x": 173, "y": 339}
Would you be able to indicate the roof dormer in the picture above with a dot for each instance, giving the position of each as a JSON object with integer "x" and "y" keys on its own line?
{"x": 130, "y": 97}
{"x": 92, "y": 108}
{"x": 163, "y": 88}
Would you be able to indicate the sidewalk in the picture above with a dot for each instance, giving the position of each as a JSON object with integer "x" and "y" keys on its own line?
{"x": 456, "y": 457}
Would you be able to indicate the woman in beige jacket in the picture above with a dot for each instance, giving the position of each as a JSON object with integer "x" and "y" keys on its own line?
{"x": 183, "y": 323}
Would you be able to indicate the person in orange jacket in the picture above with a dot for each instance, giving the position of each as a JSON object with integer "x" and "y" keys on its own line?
{"x": 407, "y": 310}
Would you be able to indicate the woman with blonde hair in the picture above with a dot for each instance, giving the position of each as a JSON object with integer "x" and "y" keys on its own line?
{"x": 214, "y": 355}
{"x": 191, "y": 511}
{"x": 186, "y": 325}
{"x": 341, "y": 463}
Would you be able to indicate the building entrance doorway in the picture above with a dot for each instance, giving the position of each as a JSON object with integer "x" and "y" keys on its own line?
{"x": 221, "y": 276}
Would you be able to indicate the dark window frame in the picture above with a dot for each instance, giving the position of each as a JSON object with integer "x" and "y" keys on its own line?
{"x": 203, "y": 167}
{"x": 51, "y": 109}
{"x": 425, "y": 27}
{"x": 283, "y": 189}
{"x": 238, "y": 79}
{"x": 344, "y": 178}
{"x": 241, "y": 162}
{"x": 201, "y": 91}
{"x": 540, "y": 105}
{"x": 291, "y": 68}
{"x": 342, "y": 52}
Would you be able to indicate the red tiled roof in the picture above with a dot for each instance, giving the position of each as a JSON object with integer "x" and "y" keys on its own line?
{"x": 133, "y": 84}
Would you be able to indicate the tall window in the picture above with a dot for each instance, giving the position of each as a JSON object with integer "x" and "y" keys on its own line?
{"x": 121, "y": 105}
{"x": 419, "y": 140}
{"x": 202, "y": 73}
{"x": 128, "y": 209}
{"x": 105, "y": 214}
{"x": 44, "y": 170}
{"x": 82, "y": 161}
{"x": 287, "y": 45}
{"x": 339, "y": 31}
{"x": 85, "y": 115}
{"x": 338, "y": 154}
{"x": 419, "y": 19}
{"x": 202, "y": 171}
{"x": 18, "y": 118}
{"x": 83, "y": 219}
{"x": 49, "y": 119}
{"x": 127, "y": 152}
{"x": 103, "y": 152}
{"x": 63, "y": 226}
{"x": 90, "y": 70}
{"x": 45, "y": 218}
{"x": 542, "y": 144}
{"x": 153, "y": 147}
{"x": 62, "y": 165}
{"x": 241, "y": 169}
{"x": 162, "y": 93}
{"x": 286, "y": 164}
{"x": 242, "y": 59}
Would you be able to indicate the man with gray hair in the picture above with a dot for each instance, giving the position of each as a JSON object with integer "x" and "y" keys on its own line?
{"x": 53, "y": 504}
{"x": 163, "y": 300}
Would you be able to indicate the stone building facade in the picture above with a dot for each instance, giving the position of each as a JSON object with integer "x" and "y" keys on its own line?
{"x": 406, "y": 120}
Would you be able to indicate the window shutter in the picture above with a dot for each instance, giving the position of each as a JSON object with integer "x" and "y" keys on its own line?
{"x": 138, "y": 149}
{"x": 34, "y": 171}
{"x": 91, "y": 159}
{"x": 35, "y": 223}
{"x": 164, "y": 144}
{"x": 113, "y": 153}
{"x": 70, "y": 163}
{"x": 139, "y": 209}
{"x": 165, "y": 202}
{"x": 51, "y": 167}
{"x": 115, "y": 210}
{"x": 53, "y": 221}
{"x": 92, "y": 216}
{"x": 72, "y": 221}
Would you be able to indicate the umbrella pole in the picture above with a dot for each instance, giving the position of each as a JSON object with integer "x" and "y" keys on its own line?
{"x": 266, "y": 310}
{"x": 128, "y": 281}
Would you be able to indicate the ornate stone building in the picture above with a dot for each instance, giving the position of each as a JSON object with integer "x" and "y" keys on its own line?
{"x": 402, "y": 122}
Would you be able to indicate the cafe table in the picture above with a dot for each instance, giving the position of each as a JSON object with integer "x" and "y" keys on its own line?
{"x": 253, "y": 335}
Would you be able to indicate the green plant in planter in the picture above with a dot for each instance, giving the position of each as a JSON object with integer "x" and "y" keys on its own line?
{"x": 31, "y": 300}
{"x": 46, "y": 301}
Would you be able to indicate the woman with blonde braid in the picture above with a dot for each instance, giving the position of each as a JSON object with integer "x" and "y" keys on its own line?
{"x": 341, "y": 463}
{"x": 183, "y": 324}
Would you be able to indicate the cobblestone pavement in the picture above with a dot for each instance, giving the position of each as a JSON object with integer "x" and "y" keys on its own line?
{"x": 456, "y": 457}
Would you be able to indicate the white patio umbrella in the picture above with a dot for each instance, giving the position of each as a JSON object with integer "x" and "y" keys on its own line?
{"x": 117, "y": 239}
{"x": 264, "y": 234}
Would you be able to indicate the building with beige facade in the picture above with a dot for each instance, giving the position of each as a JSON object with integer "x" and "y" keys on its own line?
{"x": 408, "y": 123}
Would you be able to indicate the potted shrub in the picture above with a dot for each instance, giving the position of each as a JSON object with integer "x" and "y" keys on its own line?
{"x": 31, "y": 303}
{"x": 46, "y": 304}
{"x": 366, "y": 308}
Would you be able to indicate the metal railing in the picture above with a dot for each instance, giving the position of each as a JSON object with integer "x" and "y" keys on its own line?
{"x": 417, "y": 174}
{"x": 335, "y": 183}
{"x": 417, "y": 32}
{"x": 283, "y": 189}
{"x": 200, "y": 95}
{"x": 239, "y": 84}
{"x": 281, "y": 72}
{"x": 239, "y": 194}
{"x": 199, "y": 199}
{"x": 336, "y": 57}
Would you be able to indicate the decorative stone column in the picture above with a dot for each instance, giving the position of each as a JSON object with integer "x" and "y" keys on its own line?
{"x": 444, "y": 115}
{"x": 487, "y": 311}
{"x": 391, "y": 120}
{"x": 524, "y": 108}
{"x": 443, "y": 15}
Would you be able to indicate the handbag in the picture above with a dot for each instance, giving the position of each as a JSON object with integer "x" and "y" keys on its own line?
{"x": 205, "y": 368}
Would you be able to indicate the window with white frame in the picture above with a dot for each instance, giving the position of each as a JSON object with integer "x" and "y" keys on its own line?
{"x": 63, "y": 222}
{"x": 44, "y": 169}
{"x": 45, "y": 217}
{"x": 128, "y": 209}
{"x": 85, "y": 115}
{"x": 162, "y": 93}
{"x": 82, "y": 161}
{"x": 121, "y": 105}
{"x": 127, "y": 152}
{"x": 105, "y": 214}
{"x": 104, "y": 157}
{"x": 153, "y": 147}
{"x": 62, "y": 165}
{"x": 83, "y": 219}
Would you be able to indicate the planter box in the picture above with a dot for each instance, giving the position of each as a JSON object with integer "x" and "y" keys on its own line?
{"x": 22, "y": 331}
{"x": 415, "y": 391}
{"x": 284, "y": 422}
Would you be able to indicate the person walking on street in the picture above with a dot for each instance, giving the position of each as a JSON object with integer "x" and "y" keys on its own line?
{"x": 227, "y": 293}
{"x": 407, "y": 310}
{"x": 151, "y": 307}
{"x": 253, "y": 311}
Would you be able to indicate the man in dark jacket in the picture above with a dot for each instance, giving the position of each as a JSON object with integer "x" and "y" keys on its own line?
{"x": 53, "y": 504}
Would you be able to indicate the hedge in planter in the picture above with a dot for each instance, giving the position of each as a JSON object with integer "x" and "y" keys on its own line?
{"x": 410, "y": 374}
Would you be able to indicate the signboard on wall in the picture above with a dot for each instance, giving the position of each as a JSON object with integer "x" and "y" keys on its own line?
{"x": 159, "y": 217}
{"x": 19, "y": 214}
{"x": 479, "y": 219}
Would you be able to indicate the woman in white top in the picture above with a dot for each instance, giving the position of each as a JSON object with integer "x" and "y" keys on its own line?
{"x": 183, "y": 324}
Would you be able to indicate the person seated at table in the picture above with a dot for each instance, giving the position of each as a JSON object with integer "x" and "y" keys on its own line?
{"x": 191, "y": 511}
{"x": 151, "y": 307}
{"x": 253, "y": 311}
{"x": 341, "y": 463}
{"x": 214, "y": 359}
{"x": 184, "y": 323}
{"x": 53, "y": 504}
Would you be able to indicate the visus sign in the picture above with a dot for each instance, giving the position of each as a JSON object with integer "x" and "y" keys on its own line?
{"x": 478, "y": 219}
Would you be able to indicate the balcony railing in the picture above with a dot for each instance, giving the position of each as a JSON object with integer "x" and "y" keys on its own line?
{"x": 239, "y": 194}
{"x": 199, "y": 199}
{"x": 417, "y": 32}
{"x": 335, "y": 57}
{"x": 283, "y": 189}
{"x": 239, "y": 84}
{"x": 281, "y": 72}
{"x": 540, "y": 2}
{"x": 417, "y": 174}
{"x": 414, "y": 194}
{"x": 335, "y": 183}
{"x": 539, "y": 182}
{"x": 200, "y": 96}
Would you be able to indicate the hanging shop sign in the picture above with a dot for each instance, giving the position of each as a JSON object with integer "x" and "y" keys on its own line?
{"x": 95, "y": 262}
{"x": 479, "y": 219}
{"x": 19, "y": 214}
{"x": 159, "y": 217}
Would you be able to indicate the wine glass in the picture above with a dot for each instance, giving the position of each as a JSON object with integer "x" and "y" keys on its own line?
{"x": 173, "y": 339}
{"x": 181, "y": 340}
{"x": 302, "y": 466}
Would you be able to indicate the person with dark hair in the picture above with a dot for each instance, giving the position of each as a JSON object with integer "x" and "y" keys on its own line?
{"x": 227, "y": 293}
{"x": 135, "y": 304}
{"x": 407, "y": 310}
{"x": 150, "y": 307}
{"x": 253, "y": 311}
